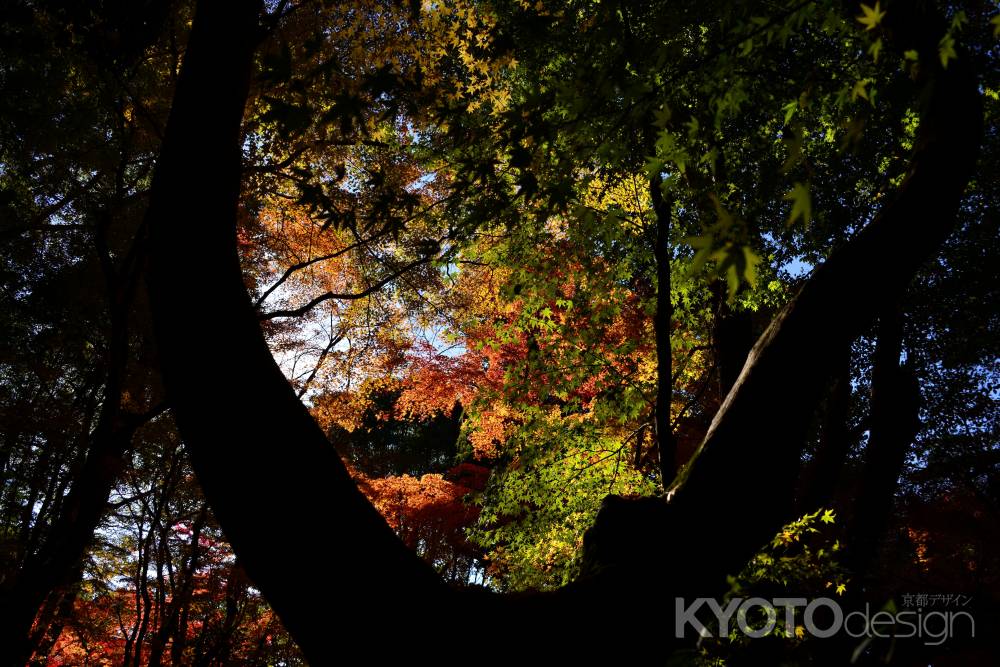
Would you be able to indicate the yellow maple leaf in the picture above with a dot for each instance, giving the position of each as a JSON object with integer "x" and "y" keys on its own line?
{"x": 859, "y": 90}
{"x": 871, "y": 16}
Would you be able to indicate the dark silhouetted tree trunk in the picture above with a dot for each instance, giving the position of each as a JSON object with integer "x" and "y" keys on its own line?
{"x": 277, "y": 487}
{"x": 58, "y": 556}
{"x": 663, "y": 324}
{"x": 822, "y": 474}
{"x": 738, "y": 489}
{"x": 895, "y": 420}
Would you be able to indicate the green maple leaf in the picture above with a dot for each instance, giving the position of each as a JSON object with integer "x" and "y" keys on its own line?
{"x": 661, "y": 117}
{"x": 751, "y": 260}
{"x": 875, "y": 49}
{"x": 801, "y": 203}
{"x": 859, "y": 90}
{"x": 790, "y": 110}
{"x": 946, "y": 50}
{"x": 703, "y": 250}
{"x": 732, "y": 280}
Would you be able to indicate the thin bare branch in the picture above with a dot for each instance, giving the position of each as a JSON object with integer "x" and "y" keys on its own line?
{"x": 347, "y": 296}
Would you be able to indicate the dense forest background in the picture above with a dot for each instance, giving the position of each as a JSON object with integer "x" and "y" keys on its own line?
{"x": 475, "y": 329}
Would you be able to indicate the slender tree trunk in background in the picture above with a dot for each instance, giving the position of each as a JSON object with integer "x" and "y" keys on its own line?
{"x": 49, "y": 629}
{"x": 895, "y": 421}
{"x": 152, "y": 544}
{"x": 66, "y": 542}
{"x": 184, "y": 604}
{"x": 45, "y": 618}
{"x": 663, "y": 323}
{"x": 174, "y": 617}
{"x": 236, "y": 593}
{"x": 64, "y": 527}
{"x": 640, "y": 439}
{"x": 821, "y": 475}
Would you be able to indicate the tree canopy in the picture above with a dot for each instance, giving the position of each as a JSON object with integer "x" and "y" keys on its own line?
{"x": 489, "y": 328}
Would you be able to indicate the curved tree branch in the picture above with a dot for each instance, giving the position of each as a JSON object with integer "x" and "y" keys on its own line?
{"x": 269, "y": 473}
{"x": 306, "y": 263}
{"x": 327, "y": 296}
{"x": 791, "y": 364}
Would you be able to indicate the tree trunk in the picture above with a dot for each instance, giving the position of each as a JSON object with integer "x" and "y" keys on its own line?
{"x": 738, "y": 489}
{"x": 895, "y": 420}
{"x": 305, "y": 534}
{"x": 53, "y": 564}
{"x": 772, "y": 403}
{"x": 822, "y": 474}
{"x": 663, "y": 322}
{"x": 51, "y": 626}
{"x": 58, "y": 557}
{"x": 174, "y": 619}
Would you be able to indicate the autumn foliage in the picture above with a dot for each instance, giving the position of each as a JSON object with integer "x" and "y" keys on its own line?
{"x": 519, "y": 261}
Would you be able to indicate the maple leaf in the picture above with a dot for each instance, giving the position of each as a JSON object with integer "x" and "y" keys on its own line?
{"x": 859, "y": 90}
{"x": 871, "y": 16}
{"x": 946, "y": 50}
{"x": 801, "y": 204}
